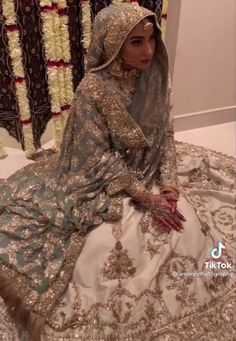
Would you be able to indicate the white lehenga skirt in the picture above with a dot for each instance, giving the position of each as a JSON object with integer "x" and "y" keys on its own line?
{"x": 133, "y": 282}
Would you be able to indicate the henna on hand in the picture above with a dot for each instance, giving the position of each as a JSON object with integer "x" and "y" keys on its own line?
{"x": 163, "y": 209}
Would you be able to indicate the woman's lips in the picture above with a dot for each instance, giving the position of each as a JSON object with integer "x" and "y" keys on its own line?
{"x": 146, "y": 61}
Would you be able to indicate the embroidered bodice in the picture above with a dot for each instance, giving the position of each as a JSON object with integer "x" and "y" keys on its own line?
{"x": 123, "y": 86}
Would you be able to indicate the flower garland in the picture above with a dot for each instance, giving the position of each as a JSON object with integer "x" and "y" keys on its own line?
{"x": 86, "y": 24}
{"x": 19, "y": 75}
{"x": 65, "y": 71}
{"x": 3, "y": 152}
{"x": 118, "y": 2}
{"x": 164, "y": 18}
{"x": 59, "y": 68}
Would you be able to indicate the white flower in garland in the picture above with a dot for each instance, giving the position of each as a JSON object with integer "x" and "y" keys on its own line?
{"x": 65, "y": 72}
{"x": 8, "y": 7}
{"x": 164, "y": 18}
{"x": 59, "y": 68}
{"x": 48, "y": 15}
{"x": 86, "y": 23}
{"x": 3, "y": 152}
{"x": 118, "y": 2}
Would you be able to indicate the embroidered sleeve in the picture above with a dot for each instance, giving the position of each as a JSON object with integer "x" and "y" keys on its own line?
{"x": 127, "y": 182}
{"x": 119, "y": 126}
{"x": 168, "y": 169}
{"x": 167, "y": 174}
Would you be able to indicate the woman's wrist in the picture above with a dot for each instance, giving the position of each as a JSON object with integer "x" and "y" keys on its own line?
{"x": 169, "y": 189}
{"x": 142, "y": 196}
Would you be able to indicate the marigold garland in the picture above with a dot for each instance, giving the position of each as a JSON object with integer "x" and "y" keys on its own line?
{"x": 8, "y": 7}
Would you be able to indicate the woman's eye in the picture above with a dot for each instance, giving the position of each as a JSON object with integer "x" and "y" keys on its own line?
{"x": 152, "y": 37}
{"x": 137, "y": 42}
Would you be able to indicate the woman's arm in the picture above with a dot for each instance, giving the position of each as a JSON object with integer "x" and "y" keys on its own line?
{"x": 92, "y": 174}
{"x": 168, "y": 168}
{"x": 96, "y": 119}
{"x": 167, "y": 173}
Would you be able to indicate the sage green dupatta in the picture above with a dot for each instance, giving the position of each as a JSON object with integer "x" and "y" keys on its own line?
{"x": 47, "y": 208}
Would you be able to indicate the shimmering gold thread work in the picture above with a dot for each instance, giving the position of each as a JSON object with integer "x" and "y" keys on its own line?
{"x": 160, "y": 322}
{"x": 118, "y": 120}
{"x": 121, "y": 319}
{"x": 118, "y": 265}
{"x": 168, "y": 168}
{"x": 117, "y": 31}
{"x": 208, "y": 315}
{"x": 36, "y": 307}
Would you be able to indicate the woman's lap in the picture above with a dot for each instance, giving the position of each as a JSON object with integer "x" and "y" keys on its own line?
{"x": 134, "y": 281}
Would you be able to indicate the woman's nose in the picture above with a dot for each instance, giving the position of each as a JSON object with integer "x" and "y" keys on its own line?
{"x": 148, "y": 50}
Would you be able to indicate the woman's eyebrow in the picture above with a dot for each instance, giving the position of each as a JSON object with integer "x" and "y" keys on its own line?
{"x": 140, "y": 37}
{"x": 137, "y": 37}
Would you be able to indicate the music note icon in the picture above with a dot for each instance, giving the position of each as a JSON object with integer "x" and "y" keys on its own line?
{"x": 216, "y": 252}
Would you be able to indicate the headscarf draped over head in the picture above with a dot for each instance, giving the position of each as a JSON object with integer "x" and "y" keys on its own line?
{"x": 110, "y": 29}
{"x": 150, "y": 104}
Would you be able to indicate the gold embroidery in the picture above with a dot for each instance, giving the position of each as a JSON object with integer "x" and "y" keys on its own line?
{"x": 45, "y": 302}
{"x": 154, "y": 322}
{"x": 168, "y": 170}
{"x": 114, "y": 211}
{"x": 153, "y": 249}
{"x": 119, "y": 122}
{"x": 113, "y": 34}
{"x": 117, "y": 231}
{"x": 118, "y": 265}
{"x": 158, "y": 238}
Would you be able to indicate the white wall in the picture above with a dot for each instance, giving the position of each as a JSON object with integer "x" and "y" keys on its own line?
{"x": 201, "y": 39}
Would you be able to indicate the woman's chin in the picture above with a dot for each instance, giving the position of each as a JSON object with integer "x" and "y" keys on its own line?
{"x": 144, "y": 65}
{"x": 139, "y": 66}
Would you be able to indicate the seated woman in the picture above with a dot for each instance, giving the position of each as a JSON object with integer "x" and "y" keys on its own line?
{"x": 108, "y": 241}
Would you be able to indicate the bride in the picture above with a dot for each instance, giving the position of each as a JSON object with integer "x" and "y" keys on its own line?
{"x": 125, "y": 235}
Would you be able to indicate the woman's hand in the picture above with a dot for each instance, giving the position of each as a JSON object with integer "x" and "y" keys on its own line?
{"x": 172, "y": 199}
{"x": 154, "y": 199}
{"x": 171, "y": 221}
{"x": 174, "y": 220}
{"x": 164, "y": 210}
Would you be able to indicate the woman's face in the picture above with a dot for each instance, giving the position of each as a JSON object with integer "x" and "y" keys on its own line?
{"x": 139, "y": 47}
